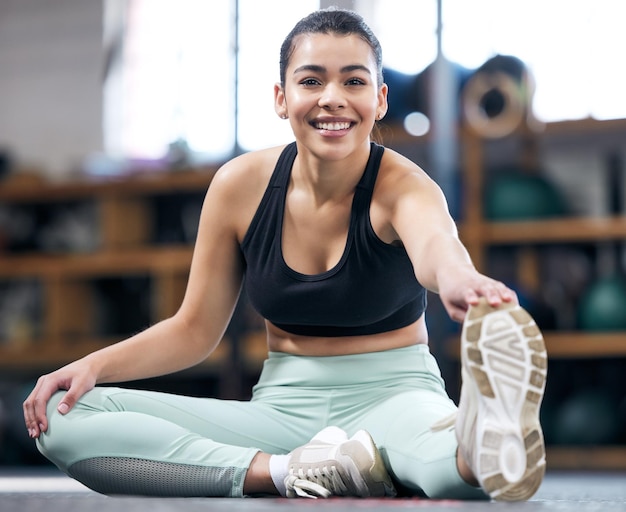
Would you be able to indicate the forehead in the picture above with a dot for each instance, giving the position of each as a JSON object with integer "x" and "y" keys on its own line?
{"x": 329, "y": 50}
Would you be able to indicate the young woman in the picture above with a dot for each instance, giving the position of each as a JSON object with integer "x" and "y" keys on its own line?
{"x": 337, "y": 240}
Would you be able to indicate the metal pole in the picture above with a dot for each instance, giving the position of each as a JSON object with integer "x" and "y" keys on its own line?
{"x": 237, "y": 148}
{"x": 443, "y": 100}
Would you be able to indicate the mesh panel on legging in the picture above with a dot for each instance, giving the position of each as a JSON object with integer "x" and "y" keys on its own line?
{"x": 130, "y": 476}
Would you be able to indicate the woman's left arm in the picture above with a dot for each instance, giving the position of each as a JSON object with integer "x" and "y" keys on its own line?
{"x": 442, "y": 264}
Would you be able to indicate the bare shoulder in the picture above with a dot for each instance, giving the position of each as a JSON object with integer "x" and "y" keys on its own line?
{"x": 247, "y": 172}
{"x": 399, "y": 176}
{"x": 238, "y": 187}
{"x": 406, "y": 196}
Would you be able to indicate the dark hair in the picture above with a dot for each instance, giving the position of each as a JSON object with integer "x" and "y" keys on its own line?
{"x": 331, "y": 21}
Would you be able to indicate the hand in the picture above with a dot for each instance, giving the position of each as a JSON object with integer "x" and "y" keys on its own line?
{"x": 76, "y": 378}
{"x": 462, "y": 287}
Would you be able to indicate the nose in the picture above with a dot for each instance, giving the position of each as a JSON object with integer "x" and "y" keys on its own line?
{"x": 332, "y": 97}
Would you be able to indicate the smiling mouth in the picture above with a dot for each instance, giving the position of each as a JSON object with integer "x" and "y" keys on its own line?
{"x": 333, "y": 127}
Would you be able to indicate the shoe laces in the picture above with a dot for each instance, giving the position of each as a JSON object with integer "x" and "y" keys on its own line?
{"x": 315, "y": 483}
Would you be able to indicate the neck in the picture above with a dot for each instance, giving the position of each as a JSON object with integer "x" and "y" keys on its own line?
{"x": 329, "y": 179}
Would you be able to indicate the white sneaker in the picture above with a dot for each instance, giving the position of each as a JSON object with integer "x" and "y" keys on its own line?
{"x": 333, "y": 465}
{"x": 504, "y": 367}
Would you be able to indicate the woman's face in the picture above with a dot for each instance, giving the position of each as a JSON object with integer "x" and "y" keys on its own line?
{"x": 331, "y": 94}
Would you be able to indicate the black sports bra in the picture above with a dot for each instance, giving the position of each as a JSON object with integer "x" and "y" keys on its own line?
{"x": 372, "y": 289}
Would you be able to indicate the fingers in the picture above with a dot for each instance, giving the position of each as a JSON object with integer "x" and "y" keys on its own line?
{"x": 68, "y": 401}
{"x": 74, "y": 378}
{"x": 35, "y": 406}
{"x": 35, "y": 410}
{"x": 495, "y": 292}
{"x": 457, "y": 314}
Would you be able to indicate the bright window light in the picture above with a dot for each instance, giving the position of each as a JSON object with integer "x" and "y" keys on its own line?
{"x": 406, "y": 29}
{"x": 176, "y": 79}
{"x": 574, "y": 49}
{"x": 176, "y": 75}
{"x": 261, "y": 32}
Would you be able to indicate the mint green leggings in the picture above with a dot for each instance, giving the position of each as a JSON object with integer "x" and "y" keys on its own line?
{"x": 120, "y": 441}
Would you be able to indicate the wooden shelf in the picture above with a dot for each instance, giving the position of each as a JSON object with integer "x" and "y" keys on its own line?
{"x": 45, "y": 354}
{"x": 583, "y": 126}
{"x": 22, "y": 189}
{"x": 479, "y": 234}
{"x": 569, "y": 345}
{"x": 589, "y": 345}
{"x": 64, "y": 329}
{"x": 586, "y": 458}
{"x": 140, "y": 260}
{"x": 394, "y": 132}
{"x": 589, "y": 229}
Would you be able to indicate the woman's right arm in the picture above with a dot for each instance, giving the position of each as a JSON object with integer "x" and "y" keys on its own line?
{"x": 178, "y": 342}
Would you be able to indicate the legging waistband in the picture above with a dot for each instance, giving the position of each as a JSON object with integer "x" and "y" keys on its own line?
{"x": 373, "y": 368}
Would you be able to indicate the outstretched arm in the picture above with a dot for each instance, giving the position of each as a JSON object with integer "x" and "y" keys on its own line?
{"x": 441, "y": 262}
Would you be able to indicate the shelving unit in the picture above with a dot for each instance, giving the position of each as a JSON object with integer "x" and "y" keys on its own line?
{"x": 125, "y": 227}
{"x": 479, "y": 235}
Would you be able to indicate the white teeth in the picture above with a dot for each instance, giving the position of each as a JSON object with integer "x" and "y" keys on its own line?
{"x": 332, "y": 126}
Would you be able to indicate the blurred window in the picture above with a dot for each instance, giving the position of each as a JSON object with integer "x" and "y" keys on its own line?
{"x": 176, "y": 73}
{"x": 203, "y": 71}
{"x": 574, "y": 49}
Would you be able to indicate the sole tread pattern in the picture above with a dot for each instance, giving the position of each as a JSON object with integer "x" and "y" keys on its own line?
{"x": 504, "y": 351}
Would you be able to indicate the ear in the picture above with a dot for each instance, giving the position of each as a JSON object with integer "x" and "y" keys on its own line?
{"x": 280, "y": 103}
{"x": 383, "y": 106}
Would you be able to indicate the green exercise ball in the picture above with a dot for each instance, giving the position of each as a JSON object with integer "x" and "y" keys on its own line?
{"x": 521, "y": 196}
{"x": 603, "y": 305}
{"x": 587, "y": 418}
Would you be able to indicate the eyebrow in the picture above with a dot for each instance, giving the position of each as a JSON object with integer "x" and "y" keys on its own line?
{"x": 315, "y": 68}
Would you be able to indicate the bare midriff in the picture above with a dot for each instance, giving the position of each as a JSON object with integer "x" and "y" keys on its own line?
{"x": 282, "y": 341}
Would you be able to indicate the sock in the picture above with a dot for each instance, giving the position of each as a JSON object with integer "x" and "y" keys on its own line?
{"x": 279, "y": 469}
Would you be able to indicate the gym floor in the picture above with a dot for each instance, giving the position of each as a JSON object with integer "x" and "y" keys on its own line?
{"x": 47, "y": 490}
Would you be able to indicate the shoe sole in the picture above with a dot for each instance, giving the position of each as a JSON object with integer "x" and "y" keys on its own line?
{"x": 504, "y": 352}
{"x": 372, "y": 470}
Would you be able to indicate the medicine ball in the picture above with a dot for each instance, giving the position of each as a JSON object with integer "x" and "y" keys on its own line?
{"x": 588, "y": 417}
{"x": 515, "y": 195}
{"x": 603, "y": 306}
